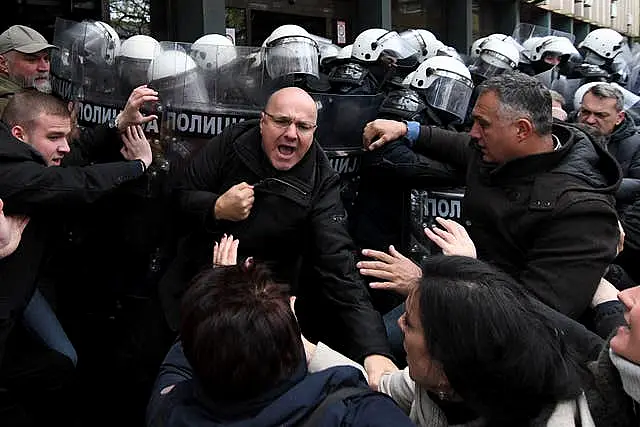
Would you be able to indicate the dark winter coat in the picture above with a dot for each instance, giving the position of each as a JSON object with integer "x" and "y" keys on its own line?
{"x": 297, "y": 224}
{"x": 548, "y": 220}
{"x": 624, "y": 145}
{"x": 29, "y": 187}
{"x": 288, "y": 404}
{"x": 7, "y": 89}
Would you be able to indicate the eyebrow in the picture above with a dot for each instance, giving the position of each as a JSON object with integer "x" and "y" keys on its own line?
{"x": 588, "y": 110}
{"x": 479, "y": 118}
{"x": 56, "y": 133}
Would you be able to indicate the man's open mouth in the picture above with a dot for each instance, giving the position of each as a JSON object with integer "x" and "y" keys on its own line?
{"x": 286, "y": 150}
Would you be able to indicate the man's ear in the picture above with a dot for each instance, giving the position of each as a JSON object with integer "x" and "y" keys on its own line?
{"x": 620, "y": 117}
{"x": 18, "y": 132}
{"x": 524, "y": 129}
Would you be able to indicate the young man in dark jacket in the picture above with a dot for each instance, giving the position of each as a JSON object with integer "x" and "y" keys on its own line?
{"x": 602, "y": 108}
{"x": 241, "y": 362}
{"x": 269, "y": 184}
{"x": 540, "y": 198}
{"x": 33, "y": 144}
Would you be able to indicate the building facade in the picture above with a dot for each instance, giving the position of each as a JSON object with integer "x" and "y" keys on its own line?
{"x": 455, "y": 22}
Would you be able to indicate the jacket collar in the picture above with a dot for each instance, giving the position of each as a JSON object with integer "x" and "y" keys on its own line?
{"x": 624, "y": 130}
{"x": 295, "y": 184}
{"x": 11, "y": 147}
{"x": 229, "y": 410}
{"x": 579, "y": 155}
{"x": 8, "y": 87}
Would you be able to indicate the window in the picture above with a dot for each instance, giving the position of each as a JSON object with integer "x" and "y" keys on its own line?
{"x": 130, "y": 17}
{"x": 236, "y": 19}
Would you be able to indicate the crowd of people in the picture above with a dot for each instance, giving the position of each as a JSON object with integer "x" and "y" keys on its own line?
{"x": 267, "y": 307}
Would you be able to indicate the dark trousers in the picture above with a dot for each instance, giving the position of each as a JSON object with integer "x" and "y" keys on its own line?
{"x": 36, "y": 384}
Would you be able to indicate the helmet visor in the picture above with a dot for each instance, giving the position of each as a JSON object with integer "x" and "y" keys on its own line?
{"x": 414, "y": 40}
{"x": 396, "y": 47}
{"x": 590, "y": 57}
{"x": 448, "y": 93}
{"x": 490, "y": 64}
{"x": 403, "y": 100}
{"x": 292, "y": 55}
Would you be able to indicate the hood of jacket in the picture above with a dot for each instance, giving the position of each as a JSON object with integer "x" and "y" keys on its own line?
{"x": 586, "y": 158}
{"x": 624, "y": 130}
{"x": 12, "y": 149}
{"x": 8, "y": 87}
{"x": 288, "y": 408}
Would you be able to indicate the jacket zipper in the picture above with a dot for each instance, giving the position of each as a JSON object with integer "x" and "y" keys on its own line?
{"x": 304, "y": 193}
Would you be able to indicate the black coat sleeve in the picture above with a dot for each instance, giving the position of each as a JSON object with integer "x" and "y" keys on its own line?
{"x": 100, "y": 144}
{"x": 629, "y": 189}
{"x": 197, "y": 185}
{"x": 28, "y": 187}
{"x": 444, "y": 145}
{"x": 334, "y": 264}
{"x": 570, "y": 254}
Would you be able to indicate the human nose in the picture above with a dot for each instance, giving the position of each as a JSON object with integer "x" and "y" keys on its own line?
{"x": 401, "y": 322}
{"x": 589, "y": 119}
{"x": 291, "y": 131}
{"x": 475, "y": 130}
{"x": 44, "y": 64}
{"x": 64, "y": 147}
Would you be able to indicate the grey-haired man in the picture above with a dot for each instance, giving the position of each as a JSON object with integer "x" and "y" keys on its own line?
{"x": 24, "y": 62}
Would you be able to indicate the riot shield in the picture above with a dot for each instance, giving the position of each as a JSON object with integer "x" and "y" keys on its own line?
{"x": 96, "y": 54}
{"x": 201, "y": 91}
{"x": 66, "y": 71}
{"x": 83, "y": 70}
{"x": 524, "y": 31}
{"x": 341, "y": 120}
{"x": 634, "y": 82}
{"x": 177, "y": 78}
{"x": 237, "y": 87}
{"x": 631, "y": 100}
{"x": 424, "y": 207}
{"x": 567, "y": 88}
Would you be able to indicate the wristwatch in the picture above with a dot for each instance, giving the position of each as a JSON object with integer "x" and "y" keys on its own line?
{"x": 144, "y": 166}
{"x": 113, "y": 123}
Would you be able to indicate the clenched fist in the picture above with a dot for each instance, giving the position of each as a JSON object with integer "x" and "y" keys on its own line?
{"x": 235, "y": 204}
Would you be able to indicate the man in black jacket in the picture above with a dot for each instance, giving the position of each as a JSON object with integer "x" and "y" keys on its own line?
{"x": 269, "y": 184}
{"x": 602, "y": 108}
{"x": 540, "y": 198}
{"x": 33, "y": 143}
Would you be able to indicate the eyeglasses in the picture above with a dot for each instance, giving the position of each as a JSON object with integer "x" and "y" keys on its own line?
{"x": 284, "y": 122}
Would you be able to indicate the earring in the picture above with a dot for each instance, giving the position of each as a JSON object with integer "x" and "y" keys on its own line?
{"x": 443, "y": 395}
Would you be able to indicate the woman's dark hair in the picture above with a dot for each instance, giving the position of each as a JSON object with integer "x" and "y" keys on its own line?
{"x": 239, "y": 333}
{"x": 498, "y": 350}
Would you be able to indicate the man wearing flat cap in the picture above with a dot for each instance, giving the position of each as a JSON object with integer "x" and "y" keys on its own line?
{"x": 24, "y": 62}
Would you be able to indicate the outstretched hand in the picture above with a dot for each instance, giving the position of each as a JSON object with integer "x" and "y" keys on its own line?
{"x": 398, "y": 272}
{"x": 11, "y": 228}
{"x": 226, "y": 252}
{"x": 453, "y": 240}
{"x": 131, "y": 115}
{"x": 381, "y": 131}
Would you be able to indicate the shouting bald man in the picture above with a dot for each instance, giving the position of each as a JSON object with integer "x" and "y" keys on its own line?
{"x": 270, "y": 184}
